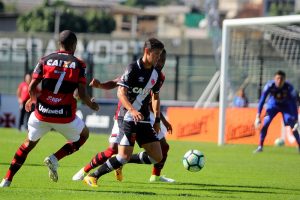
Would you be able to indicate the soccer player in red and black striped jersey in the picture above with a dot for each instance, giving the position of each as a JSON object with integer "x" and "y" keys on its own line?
{"x": 60, "y": 74}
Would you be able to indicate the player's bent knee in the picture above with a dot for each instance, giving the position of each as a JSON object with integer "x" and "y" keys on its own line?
{"x": 165, "y": 147}
{"x": 121, "y": 159}
{"x": 156, "y": 159}
{"x": 85, "y": 132}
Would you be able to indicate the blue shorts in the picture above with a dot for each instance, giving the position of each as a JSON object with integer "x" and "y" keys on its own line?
{"x": 289, "y": 114}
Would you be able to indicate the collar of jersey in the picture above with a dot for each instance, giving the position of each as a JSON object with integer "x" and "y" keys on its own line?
{"x": 140, "y": 64}
{"x": 65, "y": 52}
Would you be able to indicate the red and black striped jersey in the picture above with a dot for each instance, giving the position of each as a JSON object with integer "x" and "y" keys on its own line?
{"x": 60, "y": 74}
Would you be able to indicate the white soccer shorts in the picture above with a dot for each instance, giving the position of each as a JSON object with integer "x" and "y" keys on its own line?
{"x": 115, "y": 136}
{"x": 71, "y": 131}
{"x": 163, "y": 129}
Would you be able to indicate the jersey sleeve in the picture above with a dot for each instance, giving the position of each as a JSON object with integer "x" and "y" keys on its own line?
{"x": 38, "y": 70}
{"x": 293, "y": 93}
{"x": 82, "y": 72}
{"x": 127, "y": 78}
{"x": 158, "y": 84}
{"x": 294, "y": 100}
{"x": 163, "y": 77}
{"x": 264, "y": 96}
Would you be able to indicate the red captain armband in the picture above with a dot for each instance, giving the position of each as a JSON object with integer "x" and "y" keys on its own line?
{"x": 157, "y": 120}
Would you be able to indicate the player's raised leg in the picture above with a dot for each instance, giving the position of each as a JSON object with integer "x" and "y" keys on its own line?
{"x": 18, "y": 160}
{"x": 124, "y": 154}
{"x": 96, "y": 161}
{"x": 156, "y": 170}
{"x": 101, "y": 157}
{"x": 291, "y": 119}
{"x": 270, "y": 114}
{"x": 77, "y": 133}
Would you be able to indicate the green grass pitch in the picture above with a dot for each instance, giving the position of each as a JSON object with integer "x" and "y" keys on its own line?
{"x": 231, "y": 172}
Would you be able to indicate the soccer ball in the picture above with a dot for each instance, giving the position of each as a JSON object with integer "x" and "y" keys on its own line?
{"x": 279, "y": 142}
{"x": 193, "y": 160}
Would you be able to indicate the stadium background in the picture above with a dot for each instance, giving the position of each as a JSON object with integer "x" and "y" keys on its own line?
{"x": 191, "y": 64}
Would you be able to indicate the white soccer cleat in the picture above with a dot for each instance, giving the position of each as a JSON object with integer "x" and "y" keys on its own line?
{"x": 79, "y": 176}
{"x": 258, "y": 150}
{"x": 52, "y": 163}
{"x": 154, "y": 178}
{"x": 5, "y": 183}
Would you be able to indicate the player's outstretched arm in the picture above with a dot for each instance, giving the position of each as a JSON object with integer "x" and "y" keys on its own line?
{"x": 85, "y": 98}
{"x": 108, "y": 85}
{"x": 166, "y": 123}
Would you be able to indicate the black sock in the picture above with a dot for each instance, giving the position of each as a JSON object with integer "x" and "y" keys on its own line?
{"x": 110, "y": 165}
{"x": 140, "y": 158}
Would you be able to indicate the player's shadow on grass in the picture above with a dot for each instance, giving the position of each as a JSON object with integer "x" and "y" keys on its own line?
{"x": 145, "y": 193}
{"x": 221, "y": 188}
{"x": 25, "y": 164}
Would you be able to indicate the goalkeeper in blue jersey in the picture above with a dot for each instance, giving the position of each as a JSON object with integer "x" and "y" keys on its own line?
{"x": 283, "y": 98}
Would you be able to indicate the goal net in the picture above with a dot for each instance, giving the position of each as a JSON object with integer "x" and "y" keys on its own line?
{"x": 253, "y": 49}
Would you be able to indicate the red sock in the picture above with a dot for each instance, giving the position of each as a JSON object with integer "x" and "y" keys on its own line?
{"x": 158, "y": 166}
{"x": 69, "y": 148}
{"x": 17, "y": 162}
{"x": 99, "y": 159}
{"x": 156, "y": 171}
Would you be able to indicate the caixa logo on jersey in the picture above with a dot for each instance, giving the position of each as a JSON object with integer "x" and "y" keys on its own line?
{"x": 142, "y": 91}
{"x": 61, "y": 63}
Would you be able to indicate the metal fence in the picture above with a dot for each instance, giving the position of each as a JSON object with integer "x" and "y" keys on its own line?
{"x": 186, "y": 75}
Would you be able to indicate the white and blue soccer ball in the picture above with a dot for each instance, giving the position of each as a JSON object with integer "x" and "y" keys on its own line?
{"x": 193, "y": 160}
{"x": 279, "y": 142}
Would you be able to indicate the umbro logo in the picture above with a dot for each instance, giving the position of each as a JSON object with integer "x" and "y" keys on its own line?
{"x": 141, "y": 79}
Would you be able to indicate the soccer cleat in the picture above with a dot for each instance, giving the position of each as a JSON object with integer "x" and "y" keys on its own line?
{"x": 155, "y": 178}
{"x": 119, "y": 174}
{"x": 5, "y": 183}
{"x": 91, "y": 181}
{"x": 258, "y": 150}
{"x": 52, "y": 163}
{"x": 79, "y": 175}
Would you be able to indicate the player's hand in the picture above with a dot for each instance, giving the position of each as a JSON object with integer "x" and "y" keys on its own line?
{"x": 137, "y": 116}
{"x": 296, "y": 126}
{"x": 257, "y": 122}
{"x": 95, "y": 83}
{"x": 169, "y": 128}
{"x": 94, "y": 106}
{"x": 28, "y": 105}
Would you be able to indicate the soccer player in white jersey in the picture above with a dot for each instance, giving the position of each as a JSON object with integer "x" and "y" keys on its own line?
{"x": 115, "y": 136}
{"x": 134, "y": 92}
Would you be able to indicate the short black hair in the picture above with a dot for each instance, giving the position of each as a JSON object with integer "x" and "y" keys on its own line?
{"x": 164, "y": 52}
{"x": 153, "y": 43}
{"x": 280, "y": 73}
{"x": 67, "y": 38}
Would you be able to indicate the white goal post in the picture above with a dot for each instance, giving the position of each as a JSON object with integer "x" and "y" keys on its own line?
{"x": 228, "y": 25}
